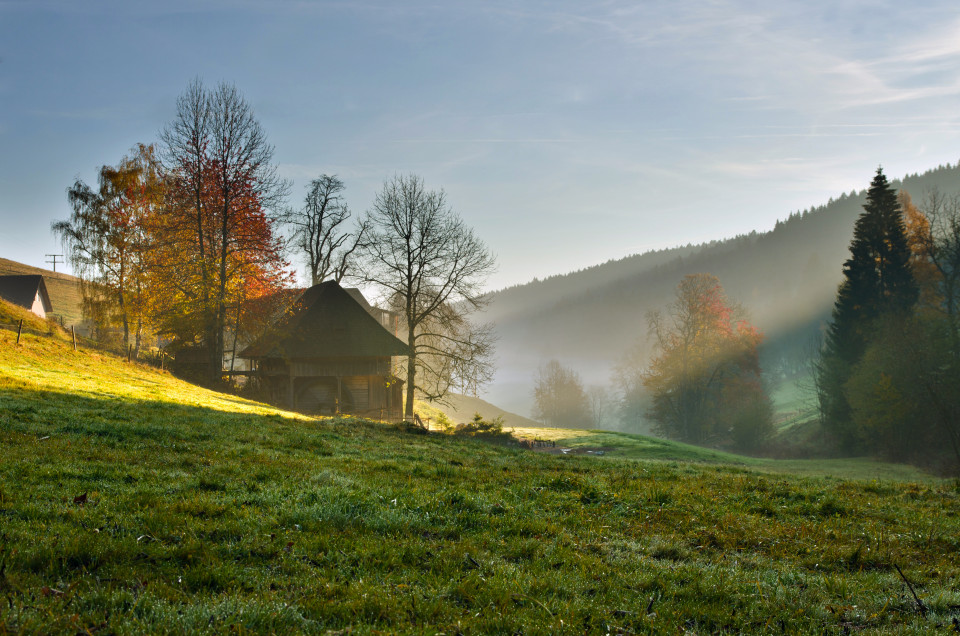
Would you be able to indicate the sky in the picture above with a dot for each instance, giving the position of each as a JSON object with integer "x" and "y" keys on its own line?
{"x": 566, "y": 133}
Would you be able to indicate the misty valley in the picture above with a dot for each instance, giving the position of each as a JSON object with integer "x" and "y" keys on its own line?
{"x": 252, "y": 409}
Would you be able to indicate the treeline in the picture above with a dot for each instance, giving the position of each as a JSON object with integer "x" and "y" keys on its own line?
{"x": 886, "y": 375}
{"x": 888, "y": 378}
{"x": 785, "y": 278}
{"x": 702, "y": 384}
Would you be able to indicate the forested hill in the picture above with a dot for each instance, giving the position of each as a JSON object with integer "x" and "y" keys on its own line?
{"x": 786, "y": 278}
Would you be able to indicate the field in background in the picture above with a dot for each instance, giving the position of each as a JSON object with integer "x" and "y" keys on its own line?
{"x": 133, "y": 502}
{"x": 624, "y": 445}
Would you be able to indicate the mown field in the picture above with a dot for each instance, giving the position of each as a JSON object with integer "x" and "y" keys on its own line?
{"x": 131, "y": 502}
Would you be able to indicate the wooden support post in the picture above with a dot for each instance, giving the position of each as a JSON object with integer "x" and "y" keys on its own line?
{"x": 19, "y": 330}
{"x": 73, "y": 332}
{"x": 339, "y": 393}
{"x": 291, "y": 395}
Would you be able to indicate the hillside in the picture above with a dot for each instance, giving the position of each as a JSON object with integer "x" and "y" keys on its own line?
{"x": 136, "y": 503}
{"x": 461, "y": 408}
{"x": 64, "y": 289}
{"x": 786, "y": 278}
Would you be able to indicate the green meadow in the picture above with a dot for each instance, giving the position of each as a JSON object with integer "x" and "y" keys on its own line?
{"x": 132, "y": 502}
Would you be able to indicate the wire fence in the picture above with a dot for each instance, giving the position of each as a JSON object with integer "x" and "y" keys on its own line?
{"x": 54, "y": 327}
{"x": 50, "y": 329}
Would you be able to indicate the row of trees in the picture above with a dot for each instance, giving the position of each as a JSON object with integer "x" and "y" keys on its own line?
{"x": 561, "y": 400}
{"x": 190, "y": 239}
{"x": 702, "y": 386}
{"x": 886, "y": 376}
{"x": 889, "y": 373}
{"x": 182, "y": 238}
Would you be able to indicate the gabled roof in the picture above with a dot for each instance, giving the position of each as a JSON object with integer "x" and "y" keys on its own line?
{"x": 23, "y": 289}
{"x": 358, "y": 296}
{"x": 326, "y": 322}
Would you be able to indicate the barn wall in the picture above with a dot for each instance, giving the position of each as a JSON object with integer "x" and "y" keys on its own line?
{"x": 359, "y": 387}
{"x": 37, "y": 307}
{"x": 364, "y": 394}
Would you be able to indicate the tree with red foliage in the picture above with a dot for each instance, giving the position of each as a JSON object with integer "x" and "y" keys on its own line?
{"x": 217, "y": 234}
{"x": 705, "y": 379}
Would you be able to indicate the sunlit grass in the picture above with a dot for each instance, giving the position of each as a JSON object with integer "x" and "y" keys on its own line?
{"x": 131, "y": 502}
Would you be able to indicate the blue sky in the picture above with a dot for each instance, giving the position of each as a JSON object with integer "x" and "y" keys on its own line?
{"x": 565, "y": 133}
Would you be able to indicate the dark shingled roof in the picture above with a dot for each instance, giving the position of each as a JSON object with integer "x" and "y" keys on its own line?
{"x": 326, "y": 322}
{"x": 22, "y": 289}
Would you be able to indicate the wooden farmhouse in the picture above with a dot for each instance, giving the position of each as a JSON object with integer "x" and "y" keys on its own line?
{"x": 329, "y": 355}
{"x": 28, "y": 291}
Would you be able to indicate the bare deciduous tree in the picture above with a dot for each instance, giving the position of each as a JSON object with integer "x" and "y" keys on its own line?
{"x": 432, "y": 267}
{"x": 320, "y": 231}
{"x": 559, "y": 397}
{"x": 600, "y": 401}
{"x": 941, "y": 250}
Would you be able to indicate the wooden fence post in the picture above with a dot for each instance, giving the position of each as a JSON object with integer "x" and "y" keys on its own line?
{"x": 19, "y": 330}
{"x": 73, "y": 332}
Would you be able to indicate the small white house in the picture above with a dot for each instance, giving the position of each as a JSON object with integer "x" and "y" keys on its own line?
{"x": 27, "y": 291}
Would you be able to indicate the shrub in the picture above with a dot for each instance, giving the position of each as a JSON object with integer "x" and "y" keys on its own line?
{"x": 478, "y": 427}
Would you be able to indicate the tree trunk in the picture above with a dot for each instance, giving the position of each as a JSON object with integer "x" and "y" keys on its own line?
{"x": 411, "y": 373}
{"x": 216, "y": 356}
{"x": 123, "y": 308}
{"x": 236, "y": 333}
{"x": 139, "y": 339}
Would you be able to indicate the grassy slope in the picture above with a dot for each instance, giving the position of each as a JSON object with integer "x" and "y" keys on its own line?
{"x": 461, "y": 408}
{"x": 64, "y": 289}
{"x": 208, "y": 513}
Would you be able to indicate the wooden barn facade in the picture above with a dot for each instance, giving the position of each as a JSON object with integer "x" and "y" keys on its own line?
{"x": 329, "y": 355}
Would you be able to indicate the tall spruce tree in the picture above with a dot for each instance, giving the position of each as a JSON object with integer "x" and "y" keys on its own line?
{"x": 878, "y": 284}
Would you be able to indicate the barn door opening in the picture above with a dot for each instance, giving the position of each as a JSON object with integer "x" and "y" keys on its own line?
{"x": 320, "y": 396}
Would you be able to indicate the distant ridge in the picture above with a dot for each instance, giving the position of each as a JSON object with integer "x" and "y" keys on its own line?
{"x": 786, "y": 278}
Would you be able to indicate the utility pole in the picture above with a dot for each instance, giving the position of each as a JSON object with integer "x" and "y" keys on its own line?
{"x": 54, "y": 261}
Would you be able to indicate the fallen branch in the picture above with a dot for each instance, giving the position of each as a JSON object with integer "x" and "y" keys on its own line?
{"x": 921, "y": 607}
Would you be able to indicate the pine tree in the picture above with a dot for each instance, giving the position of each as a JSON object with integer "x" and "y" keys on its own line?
{"x": 878, "y": 284}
